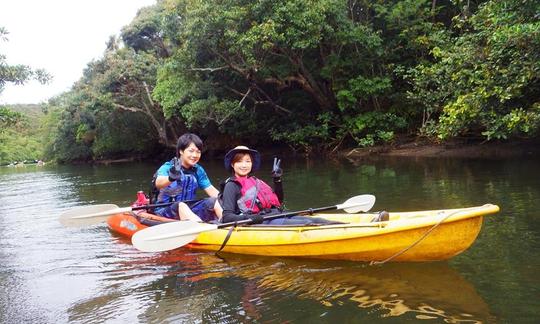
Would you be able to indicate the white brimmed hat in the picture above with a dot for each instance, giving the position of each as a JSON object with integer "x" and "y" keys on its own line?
{"x": 255, "y": 156}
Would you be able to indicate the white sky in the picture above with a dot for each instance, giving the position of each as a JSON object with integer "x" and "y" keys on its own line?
{"x": 60, "y": 36}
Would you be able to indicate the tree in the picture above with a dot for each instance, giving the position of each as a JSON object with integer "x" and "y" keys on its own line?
{"x": 124, "y": 78}
{"x": 22, "y": 139}
{"x": 110, "y": 110}
{"x": 485, "y": 81}
{"x": 303, "y": 70}
{"x": 8, "y": 118}
{"x": 16, "y": 74}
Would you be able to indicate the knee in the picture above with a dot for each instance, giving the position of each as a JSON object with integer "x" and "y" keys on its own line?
{"x": 182, "y": 205}
{"x": 217, "y": 208}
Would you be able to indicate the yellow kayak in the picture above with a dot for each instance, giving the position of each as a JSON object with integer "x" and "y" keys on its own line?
{"x": 406, "y": 236}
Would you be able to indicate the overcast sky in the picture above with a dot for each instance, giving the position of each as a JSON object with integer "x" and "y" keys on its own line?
{"x": 60, "y": 36}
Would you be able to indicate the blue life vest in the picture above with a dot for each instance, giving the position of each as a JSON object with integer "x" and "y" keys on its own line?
{"x": 181, "y": 189}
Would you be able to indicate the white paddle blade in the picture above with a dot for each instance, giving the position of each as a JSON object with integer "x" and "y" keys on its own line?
{"x": 356, "y": 204}
{"x": 88, "y": 215}
{"x": 169, "y": 236}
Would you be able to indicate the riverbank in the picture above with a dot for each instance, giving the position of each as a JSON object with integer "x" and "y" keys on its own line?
{"x": 455, "y": 149}
{"x": 404, "y": 147}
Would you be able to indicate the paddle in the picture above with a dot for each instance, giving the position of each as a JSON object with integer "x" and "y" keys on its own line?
{"x": 173, "y": 235}
{"x": 89, "y": 215}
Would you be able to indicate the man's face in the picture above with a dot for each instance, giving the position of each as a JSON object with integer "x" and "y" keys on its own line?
{"x": 190, "y": 156}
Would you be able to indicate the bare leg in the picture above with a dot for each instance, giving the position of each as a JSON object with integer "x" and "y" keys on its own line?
{"x": 218, "y": 209}
{"x": 185, "y": 213}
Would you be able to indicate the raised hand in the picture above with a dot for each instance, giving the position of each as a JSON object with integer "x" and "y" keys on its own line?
{"x": 175, "y": 172}
{"x": 277, "y": 172}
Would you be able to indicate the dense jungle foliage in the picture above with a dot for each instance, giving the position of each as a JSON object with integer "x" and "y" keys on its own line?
{"x": 24, "y": 138}
{"x": 316, "y": 75}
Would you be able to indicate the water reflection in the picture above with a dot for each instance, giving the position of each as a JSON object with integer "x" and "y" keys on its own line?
{"x": 192, "y": 286}
{"x": 51, "y": 274}
{"x": 423, "y": 290}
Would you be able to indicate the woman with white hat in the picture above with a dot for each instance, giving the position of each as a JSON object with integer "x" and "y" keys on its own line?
{"x": 245, "y": 197}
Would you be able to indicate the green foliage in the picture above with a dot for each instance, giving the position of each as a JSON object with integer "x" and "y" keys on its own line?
{"x": 87, "y": 127}
{"x": 315, "y": 76}
{"x": 361, "y": 87}
{"x": 486, "y": 80}
{"x": 67, "y": 122}
{"x": 116, "y": 138}
{"x": 370, "y": 128}
{"x": 21, "y": 138}
{"x": 17, "y": 139}
{"x": 110, "y": 112}
{"x": 50, "y": 130}
{"x": 17, "y": 145}
{"x": 8, "y": 118}
{"x": 144, "y": 33}
{"x": 302, "y": 136}
{"x": 263, "y": 54}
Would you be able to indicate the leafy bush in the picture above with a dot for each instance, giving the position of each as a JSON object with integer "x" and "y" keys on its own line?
{"x": 486, "y": 80}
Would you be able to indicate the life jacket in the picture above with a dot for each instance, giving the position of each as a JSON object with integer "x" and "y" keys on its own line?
{"x": 182, "y": 189}
{"x": 257, "y": 196}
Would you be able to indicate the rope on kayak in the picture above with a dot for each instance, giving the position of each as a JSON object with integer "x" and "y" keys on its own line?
{"x": 417, "y": 241}
{"x": 226, "y": 238}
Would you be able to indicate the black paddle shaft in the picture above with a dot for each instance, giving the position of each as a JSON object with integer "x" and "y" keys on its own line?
{"x": 270, "y": 217}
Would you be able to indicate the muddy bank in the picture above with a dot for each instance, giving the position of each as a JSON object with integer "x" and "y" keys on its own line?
{"x": 453, "y": 149}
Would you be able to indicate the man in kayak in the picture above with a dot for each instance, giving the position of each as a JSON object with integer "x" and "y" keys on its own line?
{"x": 178, "y": 180}
{"x": 246, "y": 197}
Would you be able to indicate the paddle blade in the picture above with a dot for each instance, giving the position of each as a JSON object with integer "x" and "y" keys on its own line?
{"x": 169, "y": 236}
{"x": 88, "y": 215}
{"x": 356, "y": 204}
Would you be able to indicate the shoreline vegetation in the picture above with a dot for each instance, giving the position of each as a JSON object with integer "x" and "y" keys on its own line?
{"x": 335, "y": 78}
{"x": 412, "y": 148}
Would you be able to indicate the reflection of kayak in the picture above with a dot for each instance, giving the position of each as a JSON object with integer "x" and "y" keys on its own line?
{"x": 407, "y": 236}
{"x": 426, "y": 291}
{"x": 401, "y": 290}
{"x": 423, "y": 291}
{"x": 245, "y": 288}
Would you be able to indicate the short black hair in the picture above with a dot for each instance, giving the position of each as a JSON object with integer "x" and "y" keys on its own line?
{"x": 186, "y": 139}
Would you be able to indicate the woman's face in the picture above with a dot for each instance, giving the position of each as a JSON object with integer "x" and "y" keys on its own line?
{"x": 242, "y": 166}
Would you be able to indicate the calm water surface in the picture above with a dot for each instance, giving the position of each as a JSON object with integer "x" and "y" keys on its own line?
{"x": 53, "y": 274}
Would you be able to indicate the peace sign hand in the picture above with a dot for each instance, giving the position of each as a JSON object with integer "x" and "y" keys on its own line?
{"x": 277, "y": 172}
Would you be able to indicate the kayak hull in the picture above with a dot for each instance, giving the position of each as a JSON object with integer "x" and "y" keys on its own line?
{"x": 445, "y": 242}
{"x": 407, "y": 236}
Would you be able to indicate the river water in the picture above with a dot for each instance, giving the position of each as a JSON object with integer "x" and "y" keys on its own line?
{"x": 53, "y": 274}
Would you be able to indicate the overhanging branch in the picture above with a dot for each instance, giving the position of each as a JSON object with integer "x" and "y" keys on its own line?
{"x": 209, "y": 69}
{"x": 132, "y": 109}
